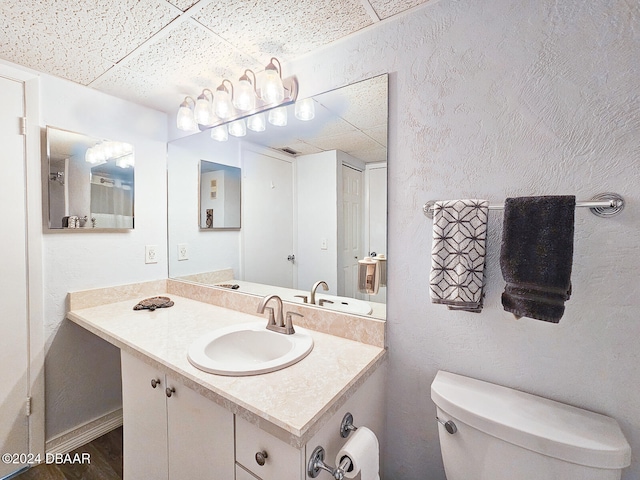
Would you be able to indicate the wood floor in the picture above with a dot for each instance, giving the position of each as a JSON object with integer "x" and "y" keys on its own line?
{"x": 106, "y": 462}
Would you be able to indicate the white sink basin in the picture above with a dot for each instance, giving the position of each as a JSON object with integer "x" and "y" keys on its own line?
{"x": 248, "y": 349}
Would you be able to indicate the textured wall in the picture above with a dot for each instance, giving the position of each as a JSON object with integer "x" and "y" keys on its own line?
{"x": 496, "y": 99}
{"x": 82, "y": 371}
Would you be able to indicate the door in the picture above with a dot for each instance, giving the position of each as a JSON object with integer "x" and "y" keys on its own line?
{"x": 350, "y": 237}
{"x": 14, "y": 360}
{"x": 267, "y": 223}
{"x": 377, "y": 231}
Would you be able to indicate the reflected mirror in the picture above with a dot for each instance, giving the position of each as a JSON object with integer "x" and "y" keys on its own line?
{"x": 219, "y": 196}
{"x": 90, "y": 183}
{"x": 314, "y": 202}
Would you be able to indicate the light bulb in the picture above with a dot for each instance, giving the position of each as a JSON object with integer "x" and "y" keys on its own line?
{"x": 185, "y": 120}
{"x": 272, "y": 88}
{"x": 245, "y": 97}
{"x": 238, "y": 128}
{"x": 202, "y": 112}
{"x": 305, "y": 109}
{"x": 257, "y": 122}
{"x": 278, "y": 117}
{"x": 222, "y": 106}
{"x": 220, "y": 133}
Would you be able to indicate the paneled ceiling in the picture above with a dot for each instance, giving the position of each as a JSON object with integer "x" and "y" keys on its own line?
{"x": 156, "y": 52}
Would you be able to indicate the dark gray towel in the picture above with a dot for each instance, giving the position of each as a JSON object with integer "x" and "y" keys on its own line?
{"x": 537, "y": 255}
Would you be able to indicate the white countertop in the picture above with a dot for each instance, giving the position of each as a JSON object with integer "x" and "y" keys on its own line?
{"x": 291, "y": 404}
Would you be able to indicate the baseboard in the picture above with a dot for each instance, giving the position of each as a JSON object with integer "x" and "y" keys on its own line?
{"x": 84, "y": 434}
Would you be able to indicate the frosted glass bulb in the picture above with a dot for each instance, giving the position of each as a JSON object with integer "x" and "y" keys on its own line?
{"x": 220, "y": 133}
{"x": 272, "y": 88}
{"x": 278, "y": 117}
{"x": 305, "y": 109}
{"x": 202, "y": 112}
{"x": 257, "y": 122}
{"x": 245, "y": 97}
{"x": 223, "y": 107}
{"x": 185, "y": 120}
{"x": 238, "y": 128}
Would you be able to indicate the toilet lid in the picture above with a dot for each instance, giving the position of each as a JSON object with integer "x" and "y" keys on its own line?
{"x": 535, "y": 423}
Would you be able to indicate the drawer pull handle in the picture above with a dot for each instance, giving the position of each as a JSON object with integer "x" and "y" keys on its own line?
{"x": 155, "y": 382}
{"x": 261, "y": 457}
{"x": 170, "y": 391}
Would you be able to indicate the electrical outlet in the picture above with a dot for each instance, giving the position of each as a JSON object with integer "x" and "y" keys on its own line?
{"x": 323, "y": 244}
{"x": 183, "y": 251}
{"x": 150, "y": 254}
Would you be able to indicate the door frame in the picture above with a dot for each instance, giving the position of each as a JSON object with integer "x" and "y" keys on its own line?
{"x": 33, "y": 142}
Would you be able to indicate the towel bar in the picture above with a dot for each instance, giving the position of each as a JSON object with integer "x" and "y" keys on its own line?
{"x": 602, "y": 205}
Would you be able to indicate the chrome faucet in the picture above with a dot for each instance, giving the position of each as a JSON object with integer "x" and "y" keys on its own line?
{"x": 325, "y": 287}
{"x": 277, "y": 323}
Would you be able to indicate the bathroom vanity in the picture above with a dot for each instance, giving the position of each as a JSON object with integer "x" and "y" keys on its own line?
{"x": 195, "y": 424}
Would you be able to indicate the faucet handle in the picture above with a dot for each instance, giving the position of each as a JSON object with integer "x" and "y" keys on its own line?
{"x": 289, "y": 322}
{"x": 322, "y": 301}
{"x": 303, "y": 297}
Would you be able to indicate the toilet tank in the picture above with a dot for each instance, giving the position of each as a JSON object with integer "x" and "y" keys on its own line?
{"x": 505, "y": 434}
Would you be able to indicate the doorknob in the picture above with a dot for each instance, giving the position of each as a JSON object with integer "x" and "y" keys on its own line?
{"x": 291, "y": 258}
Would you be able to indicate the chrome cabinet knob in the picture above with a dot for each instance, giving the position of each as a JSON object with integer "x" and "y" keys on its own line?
{"x": 170, "y": 391}
{"x": 261, "y": 457}
{"x": 155, "y": 382}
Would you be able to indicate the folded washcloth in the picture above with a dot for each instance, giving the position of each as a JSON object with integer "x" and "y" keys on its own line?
{"x": 458, "y": 253}
{"x": 537, "y": 255}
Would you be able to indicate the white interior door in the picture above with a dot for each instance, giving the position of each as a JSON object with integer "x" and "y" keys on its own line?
{"x": 350, "y": 237}
{"x": 14, "y": 360}
{"x": 377, "y": 221}
{"x": 267, "y": 223}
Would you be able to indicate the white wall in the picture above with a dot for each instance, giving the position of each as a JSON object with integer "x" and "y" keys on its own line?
{"x": 208, "y": 250}
{"x": 316, "y": 189}
{"x": 497, "y": 99}
{"x": 82, "y": 371}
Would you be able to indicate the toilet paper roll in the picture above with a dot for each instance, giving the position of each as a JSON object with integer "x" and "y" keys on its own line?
{"x": 363, "y": 450}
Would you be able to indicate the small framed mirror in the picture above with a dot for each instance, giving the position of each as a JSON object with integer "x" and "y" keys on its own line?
{"x": 219, "y": 196}
{"x": 90, "y": 182}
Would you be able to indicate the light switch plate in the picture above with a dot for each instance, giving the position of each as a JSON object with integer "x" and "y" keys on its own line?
{"x": 150, "y": 254}
{"x": 183, "y": 251}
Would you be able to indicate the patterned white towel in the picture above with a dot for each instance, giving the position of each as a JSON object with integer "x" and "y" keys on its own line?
{"x": 458, "y": 253}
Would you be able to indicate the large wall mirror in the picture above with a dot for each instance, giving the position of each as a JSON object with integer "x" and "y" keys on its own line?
{"x": 90, "y": 182}
{"x": 313, "y": 202}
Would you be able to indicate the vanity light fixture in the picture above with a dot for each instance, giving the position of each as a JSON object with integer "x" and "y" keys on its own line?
{"x": 185, "y": 119}
{"x": 102, "y": 152}
{"x": 229, "y": 103}
{"x": 203, "y": 111}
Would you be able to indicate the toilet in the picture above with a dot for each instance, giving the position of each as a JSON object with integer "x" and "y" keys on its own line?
{"x": 489, "y": 432}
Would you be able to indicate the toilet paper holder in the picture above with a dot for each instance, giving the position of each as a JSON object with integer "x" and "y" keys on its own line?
{"x": 316, "y": 463}
{"x": 316, "y": 460}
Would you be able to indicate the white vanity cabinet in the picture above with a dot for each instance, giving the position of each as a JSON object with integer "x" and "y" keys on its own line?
{"x": 181, "y": 436}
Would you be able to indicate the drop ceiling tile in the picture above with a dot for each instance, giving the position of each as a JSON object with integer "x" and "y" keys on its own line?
{"x": 107, "y": 28}
{"x": 301, "y": 147}
{"x": 347, "y": 142}
{"x": 283, "y": 28}
{"x": 38, "y": 50}
{"x": 387, "y": 8}
{"x": 379, "y": 134}
{"x": 190, "y": 58}
{"x": 373, "y": 154}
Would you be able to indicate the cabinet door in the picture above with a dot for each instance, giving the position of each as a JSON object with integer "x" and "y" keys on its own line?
{"x": 200, "y": 436}
{"x": 145, "y": 421}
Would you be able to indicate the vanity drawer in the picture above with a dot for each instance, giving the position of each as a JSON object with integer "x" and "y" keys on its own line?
{"x": 242, "y": 474}
{"x": 282, "y": 460}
